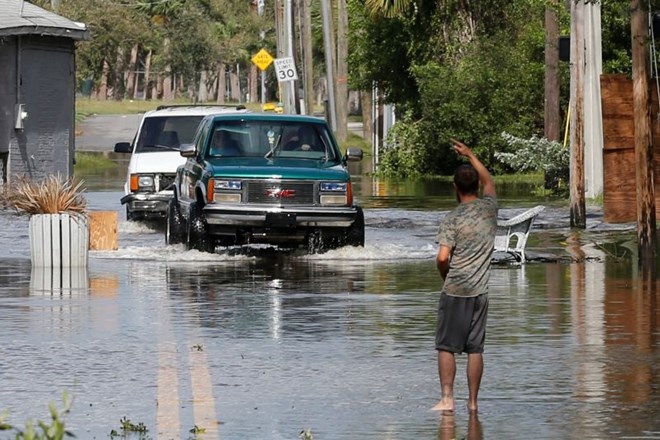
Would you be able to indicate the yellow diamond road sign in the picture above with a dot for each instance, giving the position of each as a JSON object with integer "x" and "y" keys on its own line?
{"x": 262, "y": 59}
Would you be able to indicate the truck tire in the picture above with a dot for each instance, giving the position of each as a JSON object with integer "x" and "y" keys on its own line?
{"x": 198, "y": 235}
{"x": 355, "y": 233}
{"x": 175, "y": 231}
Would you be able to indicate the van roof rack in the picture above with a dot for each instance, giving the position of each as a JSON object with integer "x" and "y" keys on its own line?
{"x": 236, "y": 106}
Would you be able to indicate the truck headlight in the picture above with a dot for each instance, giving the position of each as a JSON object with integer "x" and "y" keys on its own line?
{"x": 335, "y": 193}
{"x": 224, "y": 191}
{"x": 333, "y": 186}
{"x": 230, "y": 185}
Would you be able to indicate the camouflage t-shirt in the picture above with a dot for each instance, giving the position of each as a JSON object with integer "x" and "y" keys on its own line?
{"x": 469, "y": 232}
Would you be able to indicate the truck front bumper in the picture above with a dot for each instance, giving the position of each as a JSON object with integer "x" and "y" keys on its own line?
{"x": 275, "y": 217}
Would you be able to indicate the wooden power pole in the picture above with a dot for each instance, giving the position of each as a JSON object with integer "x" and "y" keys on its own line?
{"x": 307, "y": 52}
{"x": 646, "y": 227}
{"x": 328, "y": 40}
{"x": 577, "y": 202}
{"x": 341, "y": 89}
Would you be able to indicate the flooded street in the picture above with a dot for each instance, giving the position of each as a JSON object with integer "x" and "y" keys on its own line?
{"x": 263, "y": 344}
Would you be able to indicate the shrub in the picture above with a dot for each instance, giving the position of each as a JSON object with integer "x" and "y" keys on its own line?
{"x": 53, "y": 195}
{"x": 538, "y": 154}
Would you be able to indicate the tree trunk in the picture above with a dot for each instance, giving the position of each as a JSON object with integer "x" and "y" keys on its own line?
{"x": 131, "y": 83}
{"x": 103, "y": 86}
{"x": 235, "y": 86}
{"x": 147, "y": 77}
{"x": 254, "y": 84}
{"x": 222, "y": 83}
{"x": 367, "y": 117}
{"x": 646, "y": 226}
{"x": 202, "y": 92}
{"x": 552, "y": 111}
{"x": 167, "y": 78}
{"x": 159, "y": 87}
{"x": 577, "y": 202}
{"x": 119, "y": 86}
{"x": 342, "y": 71}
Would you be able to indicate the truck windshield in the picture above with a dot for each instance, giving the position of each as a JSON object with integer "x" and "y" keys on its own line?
{"x": 253, "y": 138}
{"x": 163, "y": 133}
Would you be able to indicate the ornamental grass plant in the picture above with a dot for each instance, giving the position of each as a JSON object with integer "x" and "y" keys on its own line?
{"x": 53, "y": 195}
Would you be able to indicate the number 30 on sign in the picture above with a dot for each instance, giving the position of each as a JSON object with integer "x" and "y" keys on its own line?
{"x": 285, "y": 69}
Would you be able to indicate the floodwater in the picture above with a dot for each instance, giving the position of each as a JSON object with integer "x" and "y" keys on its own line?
{"x": 261, "y": 344}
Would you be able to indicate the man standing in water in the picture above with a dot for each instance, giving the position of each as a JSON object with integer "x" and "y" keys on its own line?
{"x": 465, "y": 239}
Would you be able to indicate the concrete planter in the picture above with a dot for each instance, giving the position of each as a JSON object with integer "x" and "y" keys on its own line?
{"x": 59, "y": 240}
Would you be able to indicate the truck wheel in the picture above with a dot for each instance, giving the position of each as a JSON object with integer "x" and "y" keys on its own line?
{"x": 175, "y": 231}
{"x": 131, "y": 216}
{"x": 320, "y": 243}
{"x": 355, "y": 233}
{"x": 198, "y": 235}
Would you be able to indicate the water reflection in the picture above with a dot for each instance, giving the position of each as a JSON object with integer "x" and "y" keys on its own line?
{"x": 341, "y": 344}
{"x": 449, "y": 428}
{"x": 59, "y": 280}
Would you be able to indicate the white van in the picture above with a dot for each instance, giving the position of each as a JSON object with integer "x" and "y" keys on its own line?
{"x": 155, "y": 156}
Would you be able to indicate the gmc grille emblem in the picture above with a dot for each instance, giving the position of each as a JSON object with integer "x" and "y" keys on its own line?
{"x": 278, "y": 193}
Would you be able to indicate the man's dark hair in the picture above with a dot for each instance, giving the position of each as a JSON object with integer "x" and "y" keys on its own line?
{"x": 466, "y": 179}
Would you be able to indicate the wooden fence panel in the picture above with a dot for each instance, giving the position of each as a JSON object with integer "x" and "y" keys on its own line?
{"x": 619, "y": 187}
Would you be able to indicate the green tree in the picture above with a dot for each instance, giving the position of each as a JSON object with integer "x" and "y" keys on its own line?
{"x": 454, "y": 69}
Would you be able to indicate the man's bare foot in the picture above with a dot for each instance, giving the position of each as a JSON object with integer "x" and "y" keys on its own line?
{"x": 445, "y": 404}
{"x": 473, "y": 408}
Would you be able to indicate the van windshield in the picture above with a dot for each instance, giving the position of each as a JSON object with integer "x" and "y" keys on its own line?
{"x": 163, "y": 133}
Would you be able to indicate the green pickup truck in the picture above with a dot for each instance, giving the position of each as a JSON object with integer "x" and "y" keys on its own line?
{"x": 264, "y": 178}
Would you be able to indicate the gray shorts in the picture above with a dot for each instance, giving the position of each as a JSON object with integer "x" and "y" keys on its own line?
{"x": 461, "y": 323}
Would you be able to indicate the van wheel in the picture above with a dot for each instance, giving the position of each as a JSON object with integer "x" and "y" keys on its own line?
{"x": 198, "y": 234}
{"x": 175, "y": 231}
{"x": 131, "y": 216}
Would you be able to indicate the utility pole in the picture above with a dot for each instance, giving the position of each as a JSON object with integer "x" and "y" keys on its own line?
{"x": 342, "y": 71}
{"x": 289, "y": 86}
{"x": 307, "y": 56}
{"x": 283, "y": 17}
{"x": 646, "y": 227}
{"x": 262, "y": 36}
{"x": 326, "y": 12}
{"x": 577, "y": 202}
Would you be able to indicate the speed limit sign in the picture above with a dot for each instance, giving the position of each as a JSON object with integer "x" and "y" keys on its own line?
{"x": 285, "y": 69}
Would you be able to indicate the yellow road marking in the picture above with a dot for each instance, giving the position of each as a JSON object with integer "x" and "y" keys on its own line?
{"x": 167, "y": 418}
{"x": 202, "y": 389}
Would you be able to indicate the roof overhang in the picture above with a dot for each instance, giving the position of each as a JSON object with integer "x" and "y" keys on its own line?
{"x": 75, "y": 34}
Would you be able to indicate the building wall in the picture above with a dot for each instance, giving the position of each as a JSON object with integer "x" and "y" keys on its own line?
{"x": 47, "y": 90}
{"x": 7, "y": 89}
{"x": 7, "y": 99}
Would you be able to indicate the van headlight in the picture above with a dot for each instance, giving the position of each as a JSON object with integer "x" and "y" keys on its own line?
{"x": 142, "y": 182}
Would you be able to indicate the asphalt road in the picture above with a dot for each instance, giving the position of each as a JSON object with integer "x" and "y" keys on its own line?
{"x": 102, "y": 132}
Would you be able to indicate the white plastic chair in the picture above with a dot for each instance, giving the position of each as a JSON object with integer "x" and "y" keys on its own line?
{"x": 511, "y": 235}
